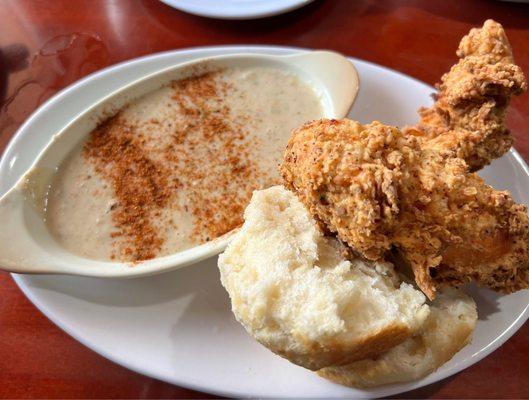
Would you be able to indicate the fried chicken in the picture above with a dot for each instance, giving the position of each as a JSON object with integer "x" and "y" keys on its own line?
{"x": 378, "y": 188}
{"x": 468, "y": 117}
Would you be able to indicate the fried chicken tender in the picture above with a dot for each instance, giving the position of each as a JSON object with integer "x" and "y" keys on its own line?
{"x": 377, "y": 188}
{"x": 468, "y": 117}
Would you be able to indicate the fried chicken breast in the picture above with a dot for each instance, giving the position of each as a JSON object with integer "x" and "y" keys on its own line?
{"x": 468, "y": 117}
{"x": 377, "y": 188}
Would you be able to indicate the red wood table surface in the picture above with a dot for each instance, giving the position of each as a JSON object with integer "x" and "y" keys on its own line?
{"x": 46, "y": 45}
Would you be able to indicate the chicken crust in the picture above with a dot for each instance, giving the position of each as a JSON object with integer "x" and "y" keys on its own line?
{"x": 377, "y": 187}
{"x": 468, "y": 117}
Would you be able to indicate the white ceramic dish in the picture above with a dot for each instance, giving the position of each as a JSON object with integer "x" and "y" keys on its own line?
{"x": 178, "y": 327}
{"x": 236, "y": 9}
{"x": 26, "y": 244}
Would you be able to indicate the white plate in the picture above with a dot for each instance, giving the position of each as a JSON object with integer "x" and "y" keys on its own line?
{"x": 236, "y": 9}
{"x": 178, "y": 327}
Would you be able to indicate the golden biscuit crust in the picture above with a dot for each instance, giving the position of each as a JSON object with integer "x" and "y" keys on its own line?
{"x": 449, "y": 328}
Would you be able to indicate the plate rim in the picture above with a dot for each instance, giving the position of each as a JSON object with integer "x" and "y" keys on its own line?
{"x": 387, "y": 390}
{"x": 262, "y": 12}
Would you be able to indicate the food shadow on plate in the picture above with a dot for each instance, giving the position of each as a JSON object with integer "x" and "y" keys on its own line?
{"x": 486, "y": 300}
{"x": 200, "y": 280}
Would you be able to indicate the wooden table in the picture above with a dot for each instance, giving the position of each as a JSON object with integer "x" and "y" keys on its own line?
{"x": 46, "y": 45}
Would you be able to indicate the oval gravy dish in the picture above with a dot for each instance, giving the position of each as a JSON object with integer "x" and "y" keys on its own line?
{"x": 156, "y": 176}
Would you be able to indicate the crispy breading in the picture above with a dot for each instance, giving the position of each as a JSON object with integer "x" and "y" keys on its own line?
{"x": 376, "y": 187}
{"x": 468, "y": 116}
